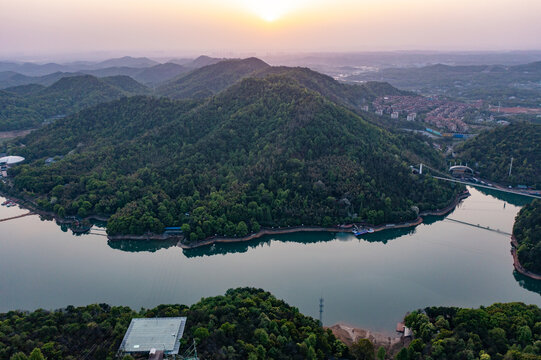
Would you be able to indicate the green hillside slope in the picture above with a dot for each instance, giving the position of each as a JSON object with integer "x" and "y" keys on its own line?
{"x": 244, "y": 323}
{"x": 30, "y": 105}
{"x": 211, "y": 79}
{"x": 264, "y": 152}
{"x": 527, "y": 232}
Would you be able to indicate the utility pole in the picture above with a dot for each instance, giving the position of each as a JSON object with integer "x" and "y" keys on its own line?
{"x": 321, "y": 311}
{"x": 511, "y": 166}
{"x": 421, "y": 169}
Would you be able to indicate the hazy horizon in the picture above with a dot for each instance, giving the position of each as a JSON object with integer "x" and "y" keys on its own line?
{"x": 62, "y": 29}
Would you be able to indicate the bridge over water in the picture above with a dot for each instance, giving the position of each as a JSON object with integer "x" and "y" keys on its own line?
{"x": 478, "y": 226}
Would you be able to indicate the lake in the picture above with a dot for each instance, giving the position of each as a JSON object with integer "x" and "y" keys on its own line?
{"x": 369, "y": 282}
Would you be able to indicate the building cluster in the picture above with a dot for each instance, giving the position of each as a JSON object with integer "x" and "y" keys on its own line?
{"x": 442, "y": 113}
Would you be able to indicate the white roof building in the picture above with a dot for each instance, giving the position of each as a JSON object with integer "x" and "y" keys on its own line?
{"x": 11, "y": 160}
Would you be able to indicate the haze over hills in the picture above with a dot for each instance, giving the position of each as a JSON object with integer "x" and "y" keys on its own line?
{"x": 144, "y": 70}
{"x": 263, "y": 152}
{"x": 517, "y": 85}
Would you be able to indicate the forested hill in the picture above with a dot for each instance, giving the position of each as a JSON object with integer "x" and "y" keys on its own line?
{"x": 244, "y": 323}
{"x": 490, "y": 153}
{"x": 28, "y": 106}
{"x": 211, "y": 79}
{"x": 248, "y": 323}
{"x": 214, "y": 78}
{"x": 352, "y": 96}
{"x": 264, "y": 152}
{"x": 527, "y": 232}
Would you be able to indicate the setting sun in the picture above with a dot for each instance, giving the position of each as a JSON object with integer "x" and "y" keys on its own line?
{"x": 271, "y": 10}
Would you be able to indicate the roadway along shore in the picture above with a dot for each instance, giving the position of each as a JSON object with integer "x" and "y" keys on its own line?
{"x": 516, "y": 262}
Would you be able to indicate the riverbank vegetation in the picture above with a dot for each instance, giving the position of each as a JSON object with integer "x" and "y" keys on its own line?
{"x": 491, "y": 151}
{"x": 265, "y": 152}
{"x": 245, "y": 323}
{"x": 248, "y": 323}
{"x": 501, "y": 331}
{"x": 527, "y": 233}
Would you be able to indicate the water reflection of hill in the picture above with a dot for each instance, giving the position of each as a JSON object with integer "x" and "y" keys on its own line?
{"x": 513, "y": 199}
{"x": 139, "y": 246}
{"x": 528, "y": 283}
{"x": 242, "y": 247}
{"x": 299, "y": 238}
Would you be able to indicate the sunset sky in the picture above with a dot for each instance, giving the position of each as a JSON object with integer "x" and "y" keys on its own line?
{"x": 187, "y": 27}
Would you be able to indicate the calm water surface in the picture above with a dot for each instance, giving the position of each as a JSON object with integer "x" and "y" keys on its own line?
{"x": 370, "y": 282}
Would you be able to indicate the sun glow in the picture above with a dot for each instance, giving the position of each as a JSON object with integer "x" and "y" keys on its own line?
{"x": 272, "y": 10}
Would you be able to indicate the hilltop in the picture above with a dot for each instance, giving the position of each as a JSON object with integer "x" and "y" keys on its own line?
{"x": 263, "y": 152}
{"x": 352, "y": 96}
{"x": 211, "y": 79}
{"x": 29, "y": 105}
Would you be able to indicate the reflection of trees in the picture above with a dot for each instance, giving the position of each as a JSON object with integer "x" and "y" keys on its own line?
{"x": 140, "y": 245}
{"x": 528, "y": 283}
{"x": 300, "y": 238}
{"x": 517, "y": 200}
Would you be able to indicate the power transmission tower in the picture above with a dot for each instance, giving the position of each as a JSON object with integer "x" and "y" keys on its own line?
{"x": 321, "y": 311}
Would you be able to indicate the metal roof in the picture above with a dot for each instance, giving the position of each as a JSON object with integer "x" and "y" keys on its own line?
{"x": 10, "y": 160}
{"x": 155, "y": 333}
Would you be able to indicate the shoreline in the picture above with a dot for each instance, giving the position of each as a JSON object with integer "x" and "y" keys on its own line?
{"x": 30, "y": 205}
{"x": 349, "y": 334}
{"x": 516, "y": 263}
{"x": 419, "y": 220}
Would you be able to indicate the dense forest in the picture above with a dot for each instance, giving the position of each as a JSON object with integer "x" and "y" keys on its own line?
{"x": 490, "y": 153}
{"x": 28, "y": 106}
{"x": 527, "y": 232}
{"x": 265, "y": 152}
{"x": 248, "y": 323}
{"x": 245, "y": 323}
{"x": 509, "y": 331}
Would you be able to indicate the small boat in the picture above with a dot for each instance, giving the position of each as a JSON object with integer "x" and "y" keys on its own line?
{"x": 362, "y": 231}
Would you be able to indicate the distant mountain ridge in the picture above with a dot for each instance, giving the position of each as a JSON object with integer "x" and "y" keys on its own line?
{"x": 517, "y": 85}
{"x": 195, "y": 84}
